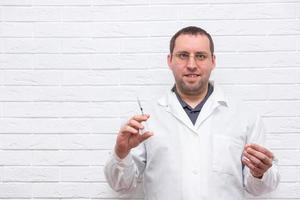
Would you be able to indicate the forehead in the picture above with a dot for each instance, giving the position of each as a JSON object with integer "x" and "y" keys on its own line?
{"x": 192, "y": 43}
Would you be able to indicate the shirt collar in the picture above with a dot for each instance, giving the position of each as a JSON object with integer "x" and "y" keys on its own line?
{"x": 217, "y": 95}
{"x": 200, "y": 105}
{"x": 183, "y": 103}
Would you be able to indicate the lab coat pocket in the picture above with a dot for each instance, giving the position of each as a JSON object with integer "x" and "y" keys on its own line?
{"x": 227, "y": 153}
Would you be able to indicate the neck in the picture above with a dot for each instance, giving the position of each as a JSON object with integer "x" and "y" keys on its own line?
{"x": 193, "y": 99}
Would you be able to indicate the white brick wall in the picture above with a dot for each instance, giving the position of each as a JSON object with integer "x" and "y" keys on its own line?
{"x": 70, "y": 71}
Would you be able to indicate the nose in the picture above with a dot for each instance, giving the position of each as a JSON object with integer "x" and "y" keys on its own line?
{"x": 191, "y": 63}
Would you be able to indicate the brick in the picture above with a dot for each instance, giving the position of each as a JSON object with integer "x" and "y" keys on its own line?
{"x": 82, "y": 13}
{"x": 69, "y": 190}
{"x": 283, "y": 141}
{"x": 133, "y": 13}
{"x": 262, "y": 92}
{"x": 18, "y": 45}
{"x": 252, "y": 27}
{"x": 32, "y": 77}
{"x": 16, "y": 2}
{"x": 67, "y": 125}
{"x": 276, "y": 108}
{"x": 288, "y": 157}
{"x": 30, "y": 13}
{"x": 282, "y": 124}
{"x": 91, "y": 77}
{"x": 286, "y": 191}
{"x": 148, "y": 77}
{"x": 157, "y": 60}
{"x": 29, "y": 45}
{"x": 257, "y": 59}
{"x": 88, "y": 141}
{"x": 30, "y": 174}
{"x": 65, "y": 61}
{"x": 15, "y": 190}
{"x": 67, "y": 158}
{"x": 79, "y": 93}
{"x": 257, "y": 76}
{"x": 254, "y": 1}
{"x": 17, "y": 29}
{"x": 16, "y": 158}
{"x": 61, "y": 3}
{"x": 85, "y": 61}
{"x": 16, "y": 61}
{"x": 77, "y": 190}
{"x": 1, "y": 79}
{"x": 122, "y": 61}
{"x": 74, "y": 29}
{"x": 229, "y": 2}
{"x": 297, "y": 8}
{"x": 289, "y": 174}
{"x": 238, "y": 11}
{"x": 26, "y": 141}
{"x": 47, "y": 29}
{"x": 96, "y": 45}
{"x": 143, "y": 45}
{"x": 1, "y": 110}
{"x": 64, "y": 109}
{"x": 134, "y": 28}
{"x": 106, "y": 192}
{"x": 119, "y": 2}
{"x": 82, "y": 174}
{"x": 255, "y": 43}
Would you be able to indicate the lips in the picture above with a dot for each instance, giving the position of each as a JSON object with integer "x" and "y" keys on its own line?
{"x": 191, "y": 75}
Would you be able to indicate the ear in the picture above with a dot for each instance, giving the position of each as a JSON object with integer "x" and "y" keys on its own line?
{"x": 169, "y": 60}
{"x": 213, "y": 61}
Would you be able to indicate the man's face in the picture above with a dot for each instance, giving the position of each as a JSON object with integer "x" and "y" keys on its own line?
{"x": 191, "y": 63}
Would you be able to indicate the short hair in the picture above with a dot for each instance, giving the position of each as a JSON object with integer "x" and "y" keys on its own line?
{"x": 192, "y": 30}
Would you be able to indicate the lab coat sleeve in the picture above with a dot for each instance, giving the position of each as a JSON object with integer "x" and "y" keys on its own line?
{"x": 270, "y": 179}
{"x": 123, "y": 175}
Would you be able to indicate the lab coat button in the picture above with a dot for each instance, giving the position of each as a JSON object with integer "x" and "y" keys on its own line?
{"x": 195, "y": 171}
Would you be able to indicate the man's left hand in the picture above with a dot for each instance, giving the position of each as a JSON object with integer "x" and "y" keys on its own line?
{"x": 258, "y": 159}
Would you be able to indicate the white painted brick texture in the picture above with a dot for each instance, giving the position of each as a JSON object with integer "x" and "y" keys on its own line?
{"x": 70, "y": 71}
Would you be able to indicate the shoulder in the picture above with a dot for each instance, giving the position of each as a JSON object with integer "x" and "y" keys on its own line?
{"x": 245, "y": 109}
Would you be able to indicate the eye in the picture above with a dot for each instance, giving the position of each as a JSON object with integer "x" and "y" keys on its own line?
{"x": 200, "y": 56}
{"x": 183, "y": 56}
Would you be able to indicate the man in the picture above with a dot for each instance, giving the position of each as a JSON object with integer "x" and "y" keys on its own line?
{"x": 202, "y": 144}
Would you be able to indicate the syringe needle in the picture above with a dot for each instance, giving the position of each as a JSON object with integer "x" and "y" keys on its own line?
{"x": 140, "y": 105}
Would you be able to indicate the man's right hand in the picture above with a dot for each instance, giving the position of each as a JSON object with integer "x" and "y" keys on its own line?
{"x": 129, "y": 136}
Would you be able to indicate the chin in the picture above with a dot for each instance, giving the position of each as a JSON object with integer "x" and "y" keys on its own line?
{"x": 192, "y": 88}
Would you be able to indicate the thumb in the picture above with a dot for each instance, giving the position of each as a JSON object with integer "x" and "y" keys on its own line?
{"x": 145, "y": 136}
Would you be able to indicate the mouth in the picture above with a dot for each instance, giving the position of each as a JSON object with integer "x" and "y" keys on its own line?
{"x": 191, "y": 75}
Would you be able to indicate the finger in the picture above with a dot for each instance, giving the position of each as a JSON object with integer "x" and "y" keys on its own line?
{"x": 135, "y": 124}
{"x": 253, "y": 168}
{"x": 128, "y": 129}
{"x": 262, "y": 150}
{"x": 140, "y": 118}
{"x": 254, "y": 161}
{"x": 145, "y": 136}
{"x": 262, "y": 157}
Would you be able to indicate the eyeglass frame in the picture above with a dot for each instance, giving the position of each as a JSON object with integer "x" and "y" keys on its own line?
{"x": 182, "y": 60}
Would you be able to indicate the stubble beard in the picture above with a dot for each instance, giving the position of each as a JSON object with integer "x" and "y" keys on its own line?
{"x": 192, "y": 89}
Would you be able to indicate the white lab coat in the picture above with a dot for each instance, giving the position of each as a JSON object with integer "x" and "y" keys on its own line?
{"x": 182, "y": 161}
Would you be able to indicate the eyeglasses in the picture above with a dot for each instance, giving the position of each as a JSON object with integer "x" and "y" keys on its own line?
{"x": 184, "y": 57}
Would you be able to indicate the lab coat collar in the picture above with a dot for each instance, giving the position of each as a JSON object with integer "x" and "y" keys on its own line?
{"x": 172, "y": 105}
{"x": 218, "y": 96}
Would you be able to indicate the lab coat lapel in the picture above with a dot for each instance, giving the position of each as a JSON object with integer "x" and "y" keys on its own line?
{"x": 174, "y": 107}
{"x": 208, "y": 108}
{"x": 216, "y": 99}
